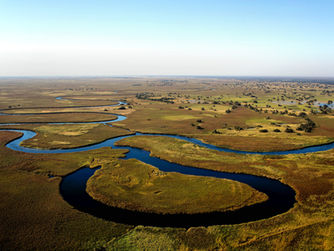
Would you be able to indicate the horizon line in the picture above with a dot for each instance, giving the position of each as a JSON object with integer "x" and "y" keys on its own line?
{"x": 168, "y": 75}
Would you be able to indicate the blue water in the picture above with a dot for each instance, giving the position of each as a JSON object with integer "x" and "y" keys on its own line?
{"x": 15, "y": 144}
{"x": 73, "y": 186}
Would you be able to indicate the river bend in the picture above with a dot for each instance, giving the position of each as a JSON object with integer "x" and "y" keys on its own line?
{"x": 281, "y": 197}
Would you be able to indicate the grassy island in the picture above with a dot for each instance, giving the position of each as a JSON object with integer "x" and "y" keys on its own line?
{"x": 134, "y": 185}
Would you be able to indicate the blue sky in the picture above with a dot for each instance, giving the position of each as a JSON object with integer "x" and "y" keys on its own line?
{"x": 240, "y": 37}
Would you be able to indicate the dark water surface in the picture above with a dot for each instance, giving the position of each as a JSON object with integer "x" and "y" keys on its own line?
{"x": 73, "y": 186}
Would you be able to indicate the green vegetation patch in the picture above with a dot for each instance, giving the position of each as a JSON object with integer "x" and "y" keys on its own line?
{"x": 67, "y": 130}
{"x": 134, "y": 185}
{"x": 69, "y": 136}
{"x": 33, "y": 215}
{"x": 57, "y": 117}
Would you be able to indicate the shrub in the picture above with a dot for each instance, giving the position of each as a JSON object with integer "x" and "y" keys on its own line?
{"x": 238, "y": 128}
{"x": 302, "y": 114}
{"x": 289, "y": 130}
{"x": 308, "y": 126}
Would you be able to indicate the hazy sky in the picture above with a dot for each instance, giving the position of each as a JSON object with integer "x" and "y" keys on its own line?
{"x": 124, "y": 37}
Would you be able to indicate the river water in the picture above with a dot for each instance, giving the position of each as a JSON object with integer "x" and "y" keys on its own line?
{"x": 73, "y": 186}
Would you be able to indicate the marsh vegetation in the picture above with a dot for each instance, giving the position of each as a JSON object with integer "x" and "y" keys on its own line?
{"x": 261, "y": 115}
{"x": 133, "y": 185}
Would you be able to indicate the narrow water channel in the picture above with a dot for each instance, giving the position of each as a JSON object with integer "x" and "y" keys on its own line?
{"x": 73, "y": 186}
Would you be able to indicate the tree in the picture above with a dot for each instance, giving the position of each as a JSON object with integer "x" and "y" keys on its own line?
{"x": 308, "y": 126}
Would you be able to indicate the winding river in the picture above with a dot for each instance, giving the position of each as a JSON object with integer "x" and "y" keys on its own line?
{"x": 73, "y": 186}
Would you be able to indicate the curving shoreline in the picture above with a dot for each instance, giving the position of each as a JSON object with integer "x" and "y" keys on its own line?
{"x": 73, "y": 190}
{"x": 73, "y": 186}
{"x": 28, "y": 134}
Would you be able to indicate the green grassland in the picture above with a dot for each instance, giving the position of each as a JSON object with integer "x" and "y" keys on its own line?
{"x": 98, "y": 109}
{"x": 69, "y": 136}
{"x": 134, "y": 185}
{"x": 311, "y": 175}
{"x": 63, "y": 117}
{"x": 312, "y": 216}
{"x": 33, "y": 215}
{"x": 220, "y": 129}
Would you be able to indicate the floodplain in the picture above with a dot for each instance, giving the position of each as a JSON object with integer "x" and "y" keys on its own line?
{"x": 248, "y": 115}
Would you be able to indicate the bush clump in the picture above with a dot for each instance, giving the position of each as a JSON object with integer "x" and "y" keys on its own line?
{"x": 308, "y": 126}
{"x": 289, "y": 130}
